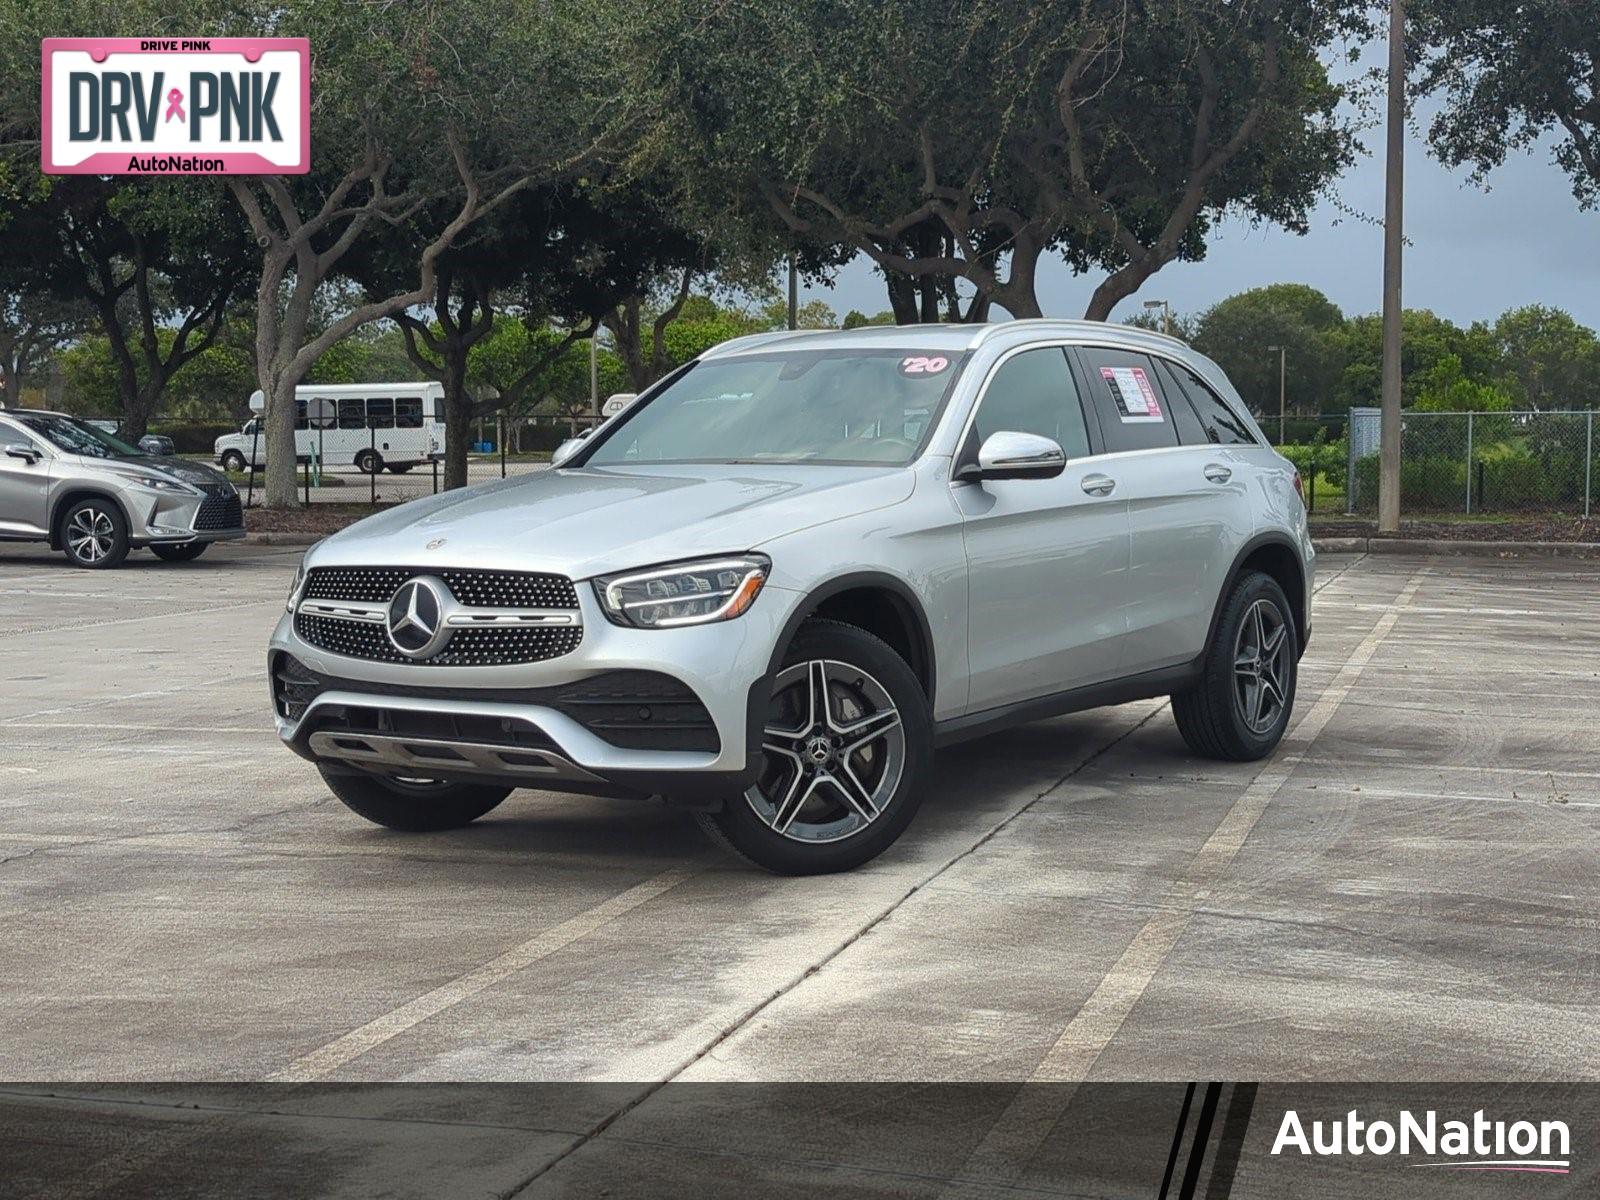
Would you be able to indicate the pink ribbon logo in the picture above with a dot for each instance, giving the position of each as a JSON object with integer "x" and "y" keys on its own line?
{"x": 175, "y": 105}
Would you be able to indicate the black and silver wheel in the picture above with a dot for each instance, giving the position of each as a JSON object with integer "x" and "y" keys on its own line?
{"x": 412, "y": 805}
{"x": 369, "y": 462}
{"x": 845, "y": 749}
{"x": 94, "y": 533}
{"x": 187, "y": 552}
{"x": 1240, "y": 708}
{"x": 233, "y": 461}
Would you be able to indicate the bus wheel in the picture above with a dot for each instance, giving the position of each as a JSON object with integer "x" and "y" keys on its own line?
{"x": 369, "y": 462}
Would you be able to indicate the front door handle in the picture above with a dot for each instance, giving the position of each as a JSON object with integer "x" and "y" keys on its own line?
{"x": 1099, "y": 485}
{"x": 1218, "y": 473}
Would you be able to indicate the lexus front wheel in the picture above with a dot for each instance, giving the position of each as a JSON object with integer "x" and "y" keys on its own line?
{"x": 845, "y": 750}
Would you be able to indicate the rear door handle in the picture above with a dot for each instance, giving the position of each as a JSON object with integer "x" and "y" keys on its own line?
{"x": 1099, "y": 485}
{"x": 1218, "y": 473}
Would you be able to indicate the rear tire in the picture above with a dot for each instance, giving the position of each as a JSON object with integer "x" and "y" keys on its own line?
{"x": 369, "y": 462}
{"x": 187, "y": 552}
{"x": 233, "y": 461}
{"x": 94, "y": 534}
{"x": 1239, "y": 710}
{"x": 400, "y": 468}
{"x": 422, "y": 807}
{"x": 842, "y": 778}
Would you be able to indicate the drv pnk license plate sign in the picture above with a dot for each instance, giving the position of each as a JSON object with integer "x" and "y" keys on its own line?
{"x": 176, "y": 106}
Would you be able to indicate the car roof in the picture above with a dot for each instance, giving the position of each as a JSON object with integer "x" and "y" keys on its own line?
{"x": 947, "y": 337}
{"x": 41, "y": 412}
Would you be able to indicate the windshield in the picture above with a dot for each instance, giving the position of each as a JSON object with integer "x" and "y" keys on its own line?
{"x": 864, "y": 407}
{"x": 78, "y": 437}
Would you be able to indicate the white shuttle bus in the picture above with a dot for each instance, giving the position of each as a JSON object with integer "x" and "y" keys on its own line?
{"x": 368, "y": 426}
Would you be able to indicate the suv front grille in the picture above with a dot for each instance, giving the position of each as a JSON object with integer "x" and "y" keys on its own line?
{"x": 220, "y": 509}
{"x": 500, "y": 645}
{"x": 482, "y": 589}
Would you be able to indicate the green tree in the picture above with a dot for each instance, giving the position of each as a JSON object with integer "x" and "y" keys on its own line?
{"x": 1550, "y": 361}
{"x": 997, "y": 131}
{"x": 1239, "y": 334}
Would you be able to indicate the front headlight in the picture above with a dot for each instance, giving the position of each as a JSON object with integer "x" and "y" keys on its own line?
{"x": 158, "y": 483}
{"x": 296, "y": 588}
{"x": 692, "y": 593}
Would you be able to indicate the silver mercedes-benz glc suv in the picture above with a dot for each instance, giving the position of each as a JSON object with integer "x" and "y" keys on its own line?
{"x": 776, "y": 582}
{"x": 64, "y": 482}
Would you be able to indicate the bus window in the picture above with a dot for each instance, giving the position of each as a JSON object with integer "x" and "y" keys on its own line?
{"x": 408, "y": 413}
{"x": 438, "y": 409}
{"x": 300, "y": 416}
{"x": 381, "y": 413}
{"x": 353, "y": 414}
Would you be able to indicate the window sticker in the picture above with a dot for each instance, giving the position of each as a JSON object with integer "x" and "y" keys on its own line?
{"x": 922, "y": 364}
{"x": 1136, "y": 399}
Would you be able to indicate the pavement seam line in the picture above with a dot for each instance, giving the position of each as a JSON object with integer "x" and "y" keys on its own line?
{"x": 327, "y": 1059}
{"x": 1102, "y": 1015}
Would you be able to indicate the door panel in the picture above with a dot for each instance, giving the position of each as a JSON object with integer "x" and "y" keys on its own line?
{"x": 24, "y": 490}
{"x": 1047, "y": 559}
{"x": 1187, "y": 512}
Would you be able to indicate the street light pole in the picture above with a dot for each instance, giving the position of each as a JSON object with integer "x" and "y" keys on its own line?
{"x": 1166, "y": 313}
{"x": 1393, "y": 247}
{"x": 1283, "y": 389}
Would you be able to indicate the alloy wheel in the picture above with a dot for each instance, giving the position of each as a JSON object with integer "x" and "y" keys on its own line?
{"x": 835, "y": 750}
{"x": 91, "y": 535}
{"x": 1261, "y": 666}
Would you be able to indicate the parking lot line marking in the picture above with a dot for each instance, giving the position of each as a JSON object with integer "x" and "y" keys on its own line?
{"x": 1089, "y": 1032}
{"x": 161, "y": 616}
{"x": 136, "y": 728}
{"x": 325, "y": 1060}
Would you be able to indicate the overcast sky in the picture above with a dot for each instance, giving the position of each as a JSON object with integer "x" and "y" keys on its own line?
{"x": 1473, "y": 253}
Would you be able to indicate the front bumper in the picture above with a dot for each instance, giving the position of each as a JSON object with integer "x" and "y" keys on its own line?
{"x": 174, "y": 519}
{"x": 518, "y": 724}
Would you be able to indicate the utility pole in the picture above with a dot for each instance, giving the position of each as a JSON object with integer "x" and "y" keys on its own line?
{"x": 1283, "y": 389}
{"x": 794, "y": 293}
{"x": 1393, "y": 248}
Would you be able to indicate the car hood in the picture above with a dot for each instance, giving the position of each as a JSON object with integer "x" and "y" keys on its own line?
{"x": 177, "y": 468}
{"x": 594, "y": 520}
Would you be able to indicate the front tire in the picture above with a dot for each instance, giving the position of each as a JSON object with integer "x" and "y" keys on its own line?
{"x": 187, "y": 552}
{"x": 847, "y": 745}
{"x": 421, "y": 806}
{"x": 369, "y": 462}
{"x": 1239, "y": 710}
{"x": 94, "y": 534}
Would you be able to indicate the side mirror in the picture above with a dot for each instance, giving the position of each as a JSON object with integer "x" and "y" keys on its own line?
{"x": 565, "y": 451}
{"x": 26, "y": 453}
{"x": 1008, "y": 455}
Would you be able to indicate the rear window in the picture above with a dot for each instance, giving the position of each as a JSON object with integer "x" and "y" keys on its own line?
{"x": 1221, "y": 424}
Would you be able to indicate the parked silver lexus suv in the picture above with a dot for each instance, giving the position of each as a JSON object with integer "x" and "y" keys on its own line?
{"x": 776, "y": 582}
{"x": 65, "y": 482}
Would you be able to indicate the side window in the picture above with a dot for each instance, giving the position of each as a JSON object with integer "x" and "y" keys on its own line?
{"x": 1190, "y": 431}
{"x": 12, "y": 436}
{"x": 1127, "y": 395}
{"x": 1221, "y": 423}
{"x": 251, "y": 428}
{"x": 382, "y": 413}
{"x": 408, "y": 413}
{"x": 300, "y": 422}
{"x": 438, "y": 409}
{"x": 352, "y": 413}
{"x": 1033, "y": 392}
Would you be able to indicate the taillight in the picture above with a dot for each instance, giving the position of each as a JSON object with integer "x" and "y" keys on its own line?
{"x": 1300, "y": 488}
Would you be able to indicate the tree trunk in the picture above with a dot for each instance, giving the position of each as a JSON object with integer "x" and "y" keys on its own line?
{"x": 902, "y": 298}
{"x": 1117, "y": 287}
{"x": 280, "y": 489}
{"x": 458, "y": 415}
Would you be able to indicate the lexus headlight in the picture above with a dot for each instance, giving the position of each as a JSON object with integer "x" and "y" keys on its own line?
{"x": 158, "y": 483}
{"x": 692, "y": 593}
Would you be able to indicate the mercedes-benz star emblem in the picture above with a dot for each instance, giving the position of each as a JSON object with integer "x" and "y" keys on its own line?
{"x": 416, "y": 617}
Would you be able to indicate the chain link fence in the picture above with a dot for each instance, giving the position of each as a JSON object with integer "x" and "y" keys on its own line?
{"x": 1479, "y": 464}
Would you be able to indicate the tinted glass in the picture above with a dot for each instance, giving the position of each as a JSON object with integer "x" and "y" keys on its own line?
{"x": 408, "y": 413}
{"x": 1033, "y": 392}
{"x": 10, "y": 436}
{"x": 1190, "y": 431}
{"x": 78, "y": 437}
{"x": 1221, "y": 423}
{"x": 1127, "y": 395}
{"x": 381, "y": 413}
{"x": 866, "y": 407}
{"x": 300, "y": 421}
{"x": 352, "y": 414}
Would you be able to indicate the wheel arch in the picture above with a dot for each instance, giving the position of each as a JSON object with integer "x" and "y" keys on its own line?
{"x": 72, "y": 495}
{"x": 880, "y": 603}
{"x": 1273, "y": 554}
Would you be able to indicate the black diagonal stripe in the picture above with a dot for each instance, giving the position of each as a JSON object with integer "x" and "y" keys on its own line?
{"x": 1202, "y": 1135}
{"x": 1231, "y": 1144}
{"x": 1177, "y": 1141}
